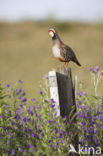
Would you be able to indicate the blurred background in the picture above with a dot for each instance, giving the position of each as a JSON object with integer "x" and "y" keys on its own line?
{"x": 25, "y": 46}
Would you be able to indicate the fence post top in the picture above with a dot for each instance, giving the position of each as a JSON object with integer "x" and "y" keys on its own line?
{"x": 52, "y": 73}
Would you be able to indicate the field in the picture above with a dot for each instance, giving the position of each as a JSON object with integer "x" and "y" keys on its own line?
{"x": 31, "y": 127}
{"x": 25, "y": 51}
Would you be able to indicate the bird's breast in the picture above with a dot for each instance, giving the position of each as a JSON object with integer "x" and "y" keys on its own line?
{"x": 56, "y": 51}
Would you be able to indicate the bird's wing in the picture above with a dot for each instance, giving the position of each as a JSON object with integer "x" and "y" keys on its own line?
{"x": 67, "y": 53}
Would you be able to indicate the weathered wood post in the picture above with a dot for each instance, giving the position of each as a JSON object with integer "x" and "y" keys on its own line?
{"x": 62, "y": 91}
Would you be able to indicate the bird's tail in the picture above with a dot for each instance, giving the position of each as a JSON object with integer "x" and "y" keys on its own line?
{"x": 77, "y": 62}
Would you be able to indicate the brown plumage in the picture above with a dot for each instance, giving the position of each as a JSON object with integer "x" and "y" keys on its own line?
{"x": 61, "y": 51}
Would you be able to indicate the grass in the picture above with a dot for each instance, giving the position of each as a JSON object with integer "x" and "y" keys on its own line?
{"x": 25, "y": 50}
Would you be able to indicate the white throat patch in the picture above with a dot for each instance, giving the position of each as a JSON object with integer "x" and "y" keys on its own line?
{"x": 51, "y": 33}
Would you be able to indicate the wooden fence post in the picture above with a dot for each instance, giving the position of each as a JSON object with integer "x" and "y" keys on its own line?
{"x": 62, "y": 91}
{"x": 65, "y": 90}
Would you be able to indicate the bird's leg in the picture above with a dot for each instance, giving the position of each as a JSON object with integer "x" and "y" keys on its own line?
{"x": 63, "y": 64}
{"x": 66, "y": 65}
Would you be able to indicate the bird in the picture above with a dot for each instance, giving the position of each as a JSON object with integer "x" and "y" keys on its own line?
{"x": 61, "y": 51}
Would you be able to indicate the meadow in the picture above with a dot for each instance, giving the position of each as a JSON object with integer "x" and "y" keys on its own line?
{"x": 25, "y": 51}
{"x": 29, "y": 126}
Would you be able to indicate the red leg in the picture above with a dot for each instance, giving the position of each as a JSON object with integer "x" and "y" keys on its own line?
{"x": 64, "y": 64}
{"x": 67, "y": 64}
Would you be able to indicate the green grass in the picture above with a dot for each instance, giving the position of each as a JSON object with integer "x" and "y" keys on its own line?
{"x": 25, "y": 50}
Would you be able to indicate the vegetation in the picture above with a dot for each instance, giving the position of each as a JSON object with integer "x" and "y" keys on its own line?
{"x": 31, "y": 127}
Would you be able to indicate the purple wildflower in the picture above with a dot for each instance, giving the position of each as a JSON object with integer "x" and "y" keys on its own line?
{"x": 20, "y": 98}
{"x": 19, "y": 90}
{"x": 79, "y": 123}
{"x": 7, "y": 86}
{"x": 2, "y": 116}
{"x": 34, "y": 107}
{"x": 84, "y": 105}
{"x": 30, "y": 145}
{"x": 4, "y": 128}
{"x": 55, "y": 114}
{"x": 90, "y": 116}
{"x": 52, "y": 101}
{"x": 20, "y": 81}
{"x": 18, "y": 111}
{"x": 21, "y": 106}
{"x": 12, "y": 122}
{"x": 36, "y": 114}
{"x": 25, "y": 100}
{"x": 56, "y": 131}
{"x": 41, "y": 92}
{"x": 10, "y": 113}
{"x": 41, "y": 133}
{"x": 33, "y": 99}
{"x": 52, "y": 105}
{"x": 83, "y": 123}
{"x": 40, "y": 117}
{"x": 62, "y": 141}
{"x": 60, "y": 136}
{"x": 79, "y": 93}
{"x": 79, "y": 102}
{"x": 24, "y": 93}
{"x": 50, "y": 141}
{"x": 45, "y": 76}
{"x": 34, "y": 135}
{"x": 102, "y": 72}
{"x": 31, "y": 113}
{"x": 35, "y": 149}
{"x": 88, "y": 108}
{"x": 13, "y": 151}
{"x": 23, "y": 151}
{"x": 19, "y": 149}
{"x": 95, "y": 70}
{"x": 48, "y": 121}
{"x": 57, "y": 143}
{"x": 51, "y": 145}
{"x": 24, "y": 119}
{"x": 90, "y": 68}
{"x": 52, "y": 116}
{"x": 55, "y": 147}
{"x": 81, "y": 115}
{"x": 101, "y": 119}
{"x": 8, "y": 141}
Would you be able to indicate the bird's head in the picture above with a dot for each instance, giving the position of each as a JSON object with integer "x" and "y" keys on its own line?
{"x": 52, "y": 32}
